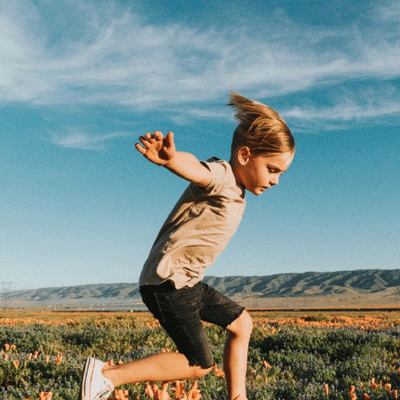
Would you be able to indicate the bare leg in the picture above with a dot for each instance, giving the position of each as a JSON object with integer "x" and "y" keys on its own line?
{"x": 158, "y": 367}
{"x": 235, "y": 356}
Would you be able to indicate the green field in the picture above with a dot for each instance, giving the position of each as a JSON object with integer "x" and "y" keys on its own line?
{"x": 292, "y": 356}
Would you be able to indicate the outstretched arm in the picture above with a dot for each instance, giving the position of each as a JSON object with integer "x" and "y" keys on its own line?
{"x": 161, "y": 150}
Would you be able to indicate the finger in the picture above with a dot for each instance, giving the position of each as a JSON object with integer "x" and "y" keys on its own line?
{"x": 140, "y": 149}
{"x": 146, "y": 143}
{"x": 158, "y": 135}
{"x": 170, "y": 139}
{"x": 149, "y": 137}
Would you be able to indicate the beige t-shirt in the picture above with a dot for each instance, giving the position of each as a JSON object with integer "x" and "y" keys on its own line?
{"x": 197, "y": 230}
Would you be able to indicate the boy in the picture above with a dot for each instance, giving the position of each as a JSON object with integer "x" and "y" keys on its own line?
{"x": 197, "y": 230}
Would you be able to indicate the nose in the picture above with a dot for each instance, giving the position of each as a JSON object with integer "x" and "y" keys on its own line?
{"x": 275, "y": 180}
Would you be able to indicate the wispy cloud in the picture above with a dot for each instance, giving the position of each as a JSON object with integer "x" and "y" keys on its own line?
{"x": 84, "y": 141}
{"x": 345, "y": 112}
{"x": 387, "y": 12}
{"x": 108, "y": 55}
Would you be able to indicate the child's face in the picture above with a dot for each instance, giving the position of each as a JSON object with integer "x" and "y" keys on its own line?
{"x": 259, "y": 172}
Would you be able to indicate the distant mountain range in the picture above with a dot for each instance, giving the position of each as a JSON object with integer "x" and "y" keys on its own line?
{"x": 343, "y": 288}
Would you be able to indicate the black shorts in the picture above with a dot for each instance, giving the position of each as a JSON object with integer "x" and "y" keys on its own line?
{"x": 181, "y": 312}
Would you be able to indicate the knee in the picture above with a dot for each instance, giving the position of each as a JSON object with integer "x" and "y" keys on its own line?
{"x": 242, "y": 326}
{"x": 198, "y": 372}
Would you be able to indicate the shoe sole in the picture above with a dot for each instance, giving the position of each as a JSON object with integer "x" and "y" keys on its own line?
{"x": 86, "y": 379}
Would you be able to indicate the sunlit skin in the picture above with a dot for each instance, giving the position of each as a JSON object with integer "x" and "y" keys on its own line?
{"x": 259, "y": 172}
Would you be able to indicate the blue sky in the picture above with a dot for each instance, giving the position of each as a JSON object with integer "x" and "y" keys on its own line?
{"x": 81, "y": 80}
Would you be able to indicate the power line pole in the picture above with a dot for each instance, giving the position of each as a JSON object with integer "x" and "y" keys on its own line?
{"x": 6, "y": 288}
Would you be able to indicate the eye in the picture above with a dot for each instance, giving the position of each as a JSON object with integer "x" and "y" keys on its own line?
{"x": 272, "y": 170}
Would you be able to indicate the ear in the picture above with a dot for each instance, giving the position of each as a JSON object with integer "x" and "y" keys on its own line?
{"x": 243, "y": 155}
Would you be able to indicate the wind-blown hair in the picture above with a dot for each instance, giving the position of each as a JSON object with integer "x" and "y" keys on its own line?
{"x": 260, "y": 128}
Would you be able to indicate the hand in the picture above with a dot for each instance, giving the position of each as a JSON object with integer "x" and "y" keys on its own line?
{"x": 156, "y": 148}
{"x": 161, "y": 150}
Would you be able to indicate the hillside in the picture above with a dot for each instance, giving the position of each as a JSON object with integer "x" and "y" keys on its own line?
{"x": 355, "y": 288}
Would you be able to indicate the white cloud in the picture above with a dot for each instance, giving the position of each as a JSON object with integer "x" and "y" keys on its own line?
{"x": 98, "y": 53}
{"x": 341, "y": 116}
{"x": 344, "y": 112}
{"x": 363, "y": 104}
{"x": 387, "y": 12}
{"x": 84, "y": 141}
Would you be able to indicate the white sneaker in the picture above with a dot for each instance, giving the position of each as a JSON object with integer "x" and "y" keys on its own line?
{"x": 94, "y": 385}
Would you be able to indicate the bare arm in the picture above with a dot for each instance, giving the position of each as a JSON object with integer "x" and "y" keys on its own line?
{"x": 161, "y": 150}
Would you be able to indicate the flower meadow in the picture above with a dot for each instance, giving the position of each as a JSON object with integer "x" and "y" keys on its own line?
{"x": 292, "y": 357}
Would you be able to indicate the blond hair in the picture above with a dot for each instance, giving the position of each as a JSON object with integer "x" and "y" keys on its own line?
{"x": 260, "y": 128}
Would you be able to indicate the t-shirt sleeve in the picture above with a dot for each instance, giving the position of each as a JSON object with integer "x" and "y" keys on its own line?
{"x": 218, "y": 171}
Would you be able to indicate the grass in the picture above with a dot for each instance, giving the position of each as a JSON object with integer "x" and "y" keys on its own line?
{"x": 293, "y": 356}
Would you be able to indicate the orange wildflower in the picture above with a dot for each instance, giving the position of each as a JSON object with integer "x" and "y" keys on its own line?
{"x": 219, "y": 373}
{"x": 179, "y": 390}
{"x": 13, "y": 347}
{"x": 194, "y": 392}
{"x": 162, "y": 394}
{"x": 366, "y": 397}
{"x": 326, "y": 388}
{"x": 45, "y": 395}
{"x": 395, "y": 394}
{"x": 267, "y": 365}
{"x": 155, "y": 390}
{"x": 16, "y": 364}
{"x": 35, "y": 355}
{"x": 374, "y": 384}
{"x": 149, "y": 391}
{"x": 59, "y": 358}
{"x": 121, "y": 394}
{"x": 388, "y": 387}
{"x": 6, "y": 347}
